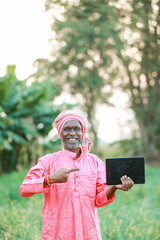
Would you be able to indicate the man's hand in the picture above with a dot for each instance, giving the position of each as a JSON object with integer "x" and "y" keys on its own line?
{"x": 127, "y": 183}
{"x": 61, "y": 175}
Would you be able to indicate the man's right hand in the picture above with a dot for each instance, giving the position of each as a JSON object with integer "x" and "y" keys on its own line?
{"x": 61, "y": 175}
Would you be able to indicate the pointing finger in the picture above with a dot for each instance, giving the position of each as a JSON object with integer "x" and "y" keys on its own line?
{"x": 73, "y": 170}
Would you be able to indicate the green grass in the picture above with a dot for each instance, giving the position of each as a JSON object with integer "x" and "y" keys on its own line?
{"x": 133, "y": 215}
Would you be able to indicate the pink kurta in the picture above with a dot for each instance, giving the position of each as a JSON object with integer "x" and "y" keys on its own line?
{"x": 70, "y": 209}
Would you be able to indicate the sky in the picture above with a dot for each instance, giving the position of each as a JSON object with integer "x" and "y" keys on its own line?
{"x": 24, "y": 37}
{"x": 24, "y": 34}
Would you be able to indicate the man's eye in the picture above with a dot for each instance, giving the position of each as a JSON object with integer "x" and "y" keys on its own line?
{"x": 67, "y": 129}
{"x": 77, "y": 129}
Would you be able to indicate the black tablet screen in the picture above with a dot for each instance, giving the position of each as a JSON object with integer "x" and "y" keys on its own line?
{"x": 133, "y": 167}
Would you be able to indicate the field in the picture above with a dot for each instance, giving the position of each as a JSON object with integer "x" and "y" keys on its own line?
{"x": 134, "y": 215}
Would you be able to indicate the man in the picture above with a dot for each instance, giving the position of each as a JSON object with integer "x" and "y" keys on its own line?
{"x": 73, "y": 182}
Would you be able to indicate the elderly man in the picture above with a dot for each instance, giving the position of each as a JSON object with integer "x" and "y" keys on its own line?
{"x": 73, "y": 182}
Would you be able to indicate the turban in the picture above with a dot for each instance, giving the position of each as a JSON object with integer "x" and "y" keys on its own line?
{"x": 68, "y": 115}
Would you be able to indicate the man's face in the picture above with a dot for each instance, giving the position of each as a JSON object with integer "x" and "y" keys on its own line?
{"x": 71, "y": 135}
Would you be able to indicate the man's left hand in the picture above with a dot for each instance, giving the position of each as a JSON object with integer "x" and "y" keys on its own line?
{"x": 127, "y": 183}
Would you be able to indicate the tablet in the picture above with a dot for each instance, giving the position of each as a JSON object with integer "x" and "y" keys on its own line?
{"x": 133, "y": 167}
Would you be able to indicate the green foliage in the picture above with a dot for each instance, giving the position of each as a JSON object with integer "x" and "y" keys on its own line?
{"x": 26, "y": 114}
{"x": 122, "y": 148}
{"x": 133, "y": 215}
{"x": 139, "y": 21}
{"x": 17, "y": 212}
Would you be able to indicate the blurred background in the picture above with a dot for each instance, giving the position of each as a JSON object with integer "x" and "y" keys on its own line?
{"x": 101, "y": 58}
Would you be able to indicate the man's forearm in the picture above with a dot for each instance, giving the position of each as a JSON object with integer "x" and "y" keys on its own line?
{"x": 111, "y": 191}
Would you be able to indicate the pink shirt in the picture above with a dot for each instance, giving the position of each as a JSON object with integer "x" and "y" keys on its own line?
{"x": 70, "y": 209}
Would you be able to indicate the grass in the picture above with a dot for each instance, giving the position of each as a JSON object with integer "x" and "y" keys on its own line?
{"x": 133, "y": 215}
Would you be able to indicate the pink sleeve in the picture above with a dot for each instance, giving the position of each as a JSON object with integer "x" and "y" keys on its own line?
{"x": 33, "y": 182}
{"x": 101, "y": 197}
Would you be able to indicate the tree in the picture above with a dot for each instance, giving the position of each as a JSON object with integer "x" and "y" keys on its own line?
{"x": 82, "y": 61}
{"x": 26, "y": 115}
{"x": 139, "y": 23}
{"x": 102, "y": 44}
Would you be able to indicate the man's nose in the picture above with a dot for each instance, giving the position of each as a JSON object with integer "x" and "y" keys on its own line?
{"x": 72, "y": 132}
